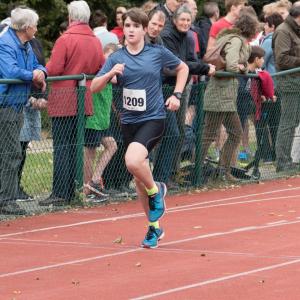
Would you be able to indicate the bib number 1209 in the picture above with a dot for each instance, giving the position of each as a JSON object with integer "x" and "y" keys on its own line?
{"x": 134, "y": 100}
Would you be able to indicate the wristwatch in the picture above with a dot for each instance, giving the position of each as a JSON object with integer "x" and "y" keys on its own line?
{"x": 178, "y": 95}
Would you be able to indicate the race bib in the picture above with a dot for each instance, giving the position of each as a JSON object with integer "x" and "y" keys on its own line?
{"x": 134, "y": 100}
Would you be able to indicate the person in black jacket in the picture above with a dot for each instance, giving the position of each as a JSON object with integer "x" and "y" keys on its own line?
{"x": 211, "y": 14}
{"x": 177, "y": 39}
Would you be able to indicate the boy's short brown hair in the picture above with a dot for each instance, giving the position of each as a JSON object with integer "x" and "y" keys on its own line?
{"x": 137, "y": 15}
{"x": 230, "y": 3}
{"x": 256, "y": 52}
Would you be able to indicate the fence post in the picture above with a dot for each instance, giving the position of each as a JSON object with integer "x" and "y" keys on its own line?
{"x": 80, "y": 132}
{"x": 197, "y": 178}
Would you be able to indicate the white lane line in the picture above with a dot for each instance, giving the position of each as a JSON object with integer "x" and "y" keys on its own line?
{"x": 278, "y": 222}
{"x": 216, "y": 280}
{"x": 236, "y": 203}
{"x": 138, "y": 215}
{"x": 89, "y": 259}
{"x": 237, "y": 197}
{"x": 236, "y": 230}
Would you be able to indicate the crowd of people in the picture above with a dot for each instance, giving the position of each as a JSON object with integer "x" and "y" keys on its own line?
{"x": 144, "y": 97}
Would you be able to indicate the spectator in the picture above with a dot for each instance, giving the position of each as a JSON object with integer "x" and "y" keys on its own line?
{"x": 211, "y": 14}
{"x": 17, "y": 61}
{"x": 233, "y": 8}
{"x": 271, "y": 23}
{"x": 169, "y": 7}
{"x": 97, "y": 132}
{"x": 286, "y": 47}
{"x": 194, "y": 30}
{"x": 99, "y": 25}
{"x": 262, "y": 95}
{"x": 156, "y": 24}
{"x": 221, "y": 94}
{"x": 176, "y": 39}
{"x": 31, "y": 130}
{"x": 148, "y": 6}
{"x": 118, "y": 30}
{"x": 281, "y": 7}
{"x": 69, "y": 57}
{"x": 63, "y": 27}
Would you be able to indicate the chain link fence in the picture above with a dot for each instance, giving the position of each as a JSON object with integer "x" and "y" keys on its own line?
{"x": 54, "y": 156}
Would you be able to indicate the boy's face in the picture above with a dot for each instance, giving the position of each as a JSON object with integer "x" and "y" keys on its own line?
{"x": 259, "y": 62}
{"x": 134, "y": 32}
{"x": 236, "y": 9}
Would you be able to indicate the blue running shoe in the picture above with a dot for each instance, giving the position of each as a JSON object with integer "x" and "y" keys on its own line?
{"x": 152, "y": 237}
{"x": 157, "y": 204}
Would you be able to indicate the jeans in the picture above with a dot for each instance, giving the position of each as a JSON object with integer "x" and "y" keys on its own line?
{"x": 64, "y": 130}
{"x": 10, "y": 152}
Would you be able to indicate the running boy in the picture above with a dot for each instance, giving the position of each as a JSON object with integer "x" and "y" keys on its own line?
{"x": 138, "y": 68}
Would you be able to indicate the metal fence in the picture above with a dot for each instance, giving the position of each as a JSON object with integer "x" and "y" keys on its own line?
{"x": 178, "y": 159}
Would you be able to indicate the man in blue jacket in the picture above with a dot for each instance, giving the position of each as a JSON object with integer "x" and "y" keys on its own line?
{"x": 17, "y": 61}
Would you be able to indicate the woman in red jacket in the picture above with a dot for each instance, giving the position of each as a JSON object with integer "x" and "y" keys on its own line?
{"x": 76, "y": 51}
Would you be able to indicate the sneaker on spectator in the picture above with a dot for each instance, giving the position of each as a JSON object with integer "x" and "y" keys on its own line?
{"x": 225, "y": 176}
{"x": 152, "y": 237}
{"x": 53, "y": 200}
{"x": 255, "y": 174}
{"x": 10, "y": 207}
{"x": 157, "y": 203}
{"x": 95, "y": 188}
{"x": 290, "y": 167}
{"x": 95, "y": 199}
{"x": 130, "y": 192}
{"x": 117, "y": 193}
{"x": 172, "y": 185}
{"x": 23, "y": 196}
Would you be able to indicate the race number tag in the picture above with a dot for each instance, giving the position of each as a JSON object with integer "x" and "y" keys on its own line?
{"x": 134, "y": 100}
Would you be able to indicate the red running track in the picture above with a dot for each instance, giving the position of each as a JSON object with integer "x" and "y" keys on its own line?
{"x": 231, "y": 244}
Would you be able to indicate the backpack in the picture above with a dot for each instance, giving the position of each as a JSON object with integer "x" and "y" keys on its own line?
{"x": 214, "y": 55}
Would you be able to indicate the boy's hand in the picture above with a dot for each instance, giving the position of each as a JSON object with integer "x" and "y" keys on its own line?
{"x": 118, "y": 69}
{"x": 172, "y": 103}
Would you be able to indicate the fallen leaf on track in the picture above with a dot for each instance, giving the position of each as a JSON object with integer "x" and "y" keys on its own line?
{"x": 118, "y": 240}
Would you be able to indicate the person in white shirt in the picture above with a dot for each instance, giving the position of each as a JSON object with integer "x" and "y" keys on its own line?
{"x": 99, "y": 25}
